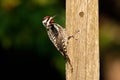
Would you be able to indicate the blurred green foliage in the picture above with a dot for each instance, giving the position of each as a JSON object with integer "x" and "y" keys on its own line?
{"x": 20, "y": 23}
{"x": 21, "y": 28}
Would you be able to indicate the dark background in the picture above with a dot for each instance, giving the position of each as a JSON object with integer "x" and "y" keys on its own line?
{"x": 27, "y": 52}
{"x": 25, "y": 49}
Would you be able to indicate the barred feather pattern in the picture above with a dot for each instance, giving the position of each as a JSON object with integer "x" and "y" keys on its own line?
{"x": 58, "y": 37}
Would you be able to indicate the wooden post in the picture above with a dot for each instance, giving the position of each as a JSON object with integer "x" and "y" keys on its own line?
{"x": 83, "y": 49}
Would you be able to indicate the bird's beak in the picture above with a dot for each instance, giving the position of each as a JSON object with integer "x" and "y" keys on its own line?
{"x": 53, "y": 17}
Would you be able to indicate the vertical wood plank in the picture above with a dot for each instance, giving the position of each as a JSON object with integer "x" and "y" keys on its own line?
{"x": 83, "y": 49}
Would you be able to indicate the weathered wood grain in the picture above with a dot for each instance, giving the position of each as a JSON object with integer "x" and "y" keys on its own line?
{"x": 83, "y": 49}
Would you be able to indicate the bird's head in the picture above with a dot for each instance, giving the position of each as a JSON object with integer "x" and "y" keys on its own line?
{"x": 48, "y": 20}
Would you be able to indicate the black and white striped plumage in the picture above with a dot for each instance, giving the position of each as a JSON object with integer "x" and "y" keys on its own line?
{"x": 57, "y": 35}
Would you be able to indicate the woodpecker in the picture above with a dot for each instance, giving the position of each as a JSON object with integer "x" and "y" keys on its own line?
{"x": 57, "y": 35}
